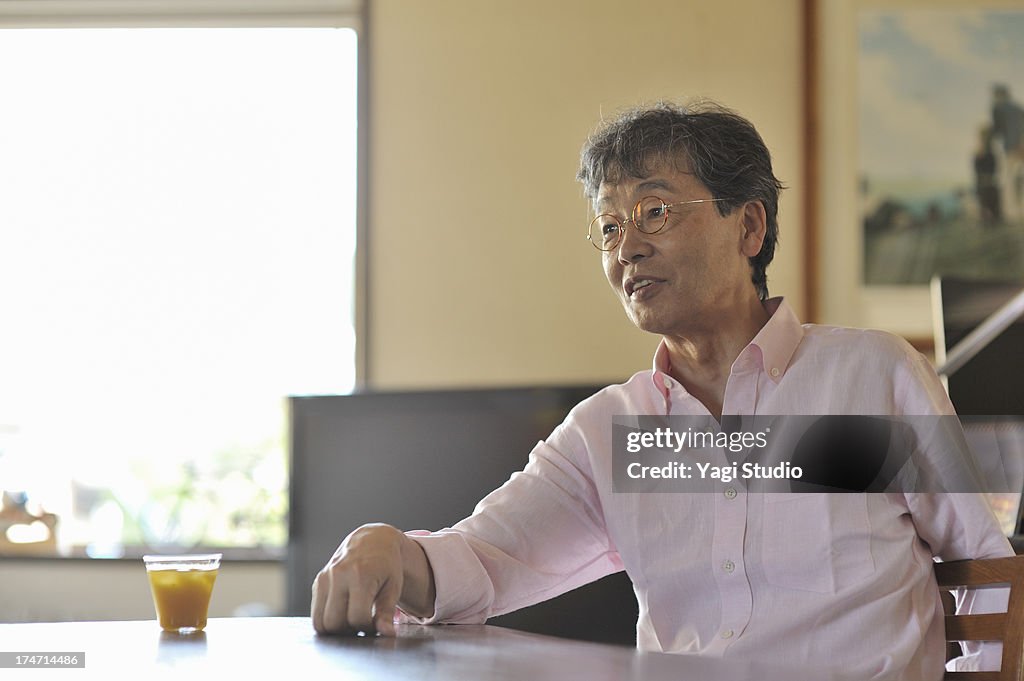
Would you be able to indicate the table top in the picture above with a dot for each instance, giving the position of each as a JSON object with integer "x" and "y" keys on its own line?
{"x": 283, "y": 646}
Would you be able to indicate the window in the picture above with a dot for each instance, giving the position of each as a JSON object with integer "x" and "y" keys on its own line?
{"x": 177, "y": 243}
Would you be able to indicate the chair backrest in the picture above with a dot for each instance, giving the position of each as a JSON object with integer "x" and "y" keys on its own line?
{"x": 1007, "y": 627}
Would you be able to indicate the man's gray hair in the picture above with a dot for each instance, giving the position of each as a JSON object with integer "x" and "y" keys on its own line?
{"x": 718, "y": 146}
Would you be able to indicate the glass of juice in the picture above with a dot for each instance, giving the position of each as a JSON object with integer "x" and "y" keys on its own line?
{"x": 181, "y": 587}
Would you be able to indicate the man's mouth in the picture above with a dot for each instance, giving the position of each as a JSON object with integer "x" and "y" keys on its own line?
{"x": 638, "y": 286}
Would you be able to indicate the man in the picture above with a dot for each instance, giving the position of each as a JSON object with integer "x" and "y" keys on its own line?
{"x": 1008, "y": 125}
{"x": 687, "y": 224}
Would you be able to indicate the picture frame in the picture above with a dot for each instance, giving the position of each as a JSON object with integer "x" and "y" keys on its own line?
{"x": 837, "y": 270}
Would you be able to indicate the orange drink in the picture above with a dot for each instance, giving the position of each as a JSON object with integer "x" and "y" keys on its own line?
{"x": 181, "y": 587}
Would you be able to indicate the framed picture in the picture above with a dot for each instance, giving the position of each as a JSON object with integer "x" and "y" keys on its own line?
{"x": 920, "y": 154}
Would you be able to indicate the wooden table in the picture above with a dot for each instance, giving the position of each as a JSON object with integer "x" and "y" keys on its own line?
{"x": 287, "y": 648}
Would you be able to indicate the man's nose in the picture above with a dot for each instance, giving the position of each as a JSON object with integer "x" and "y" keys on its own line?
{"x": 633, "y": 244}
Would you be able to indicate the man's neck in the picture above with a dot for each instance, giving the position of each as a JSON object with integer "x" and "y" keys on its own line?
{"x": 701, "y": 359}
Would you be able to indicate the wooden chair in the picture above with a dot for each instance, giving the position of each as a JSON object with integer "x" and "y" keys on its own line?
{"x": 1007, "y": 627}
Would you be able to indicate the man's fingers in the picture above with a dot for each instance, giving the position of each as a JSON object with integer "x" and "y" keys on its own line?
{"x": 321, "y": 587}
{"x": 361, "y": 584}
{"x": 384, "y": 607}
{"x": 335, "y": 615}
{"x": 360, "y": 605}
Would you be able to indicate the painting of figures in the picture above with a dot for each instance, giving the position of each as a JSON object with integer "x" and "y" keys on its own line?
{"x": 941, "y": 167}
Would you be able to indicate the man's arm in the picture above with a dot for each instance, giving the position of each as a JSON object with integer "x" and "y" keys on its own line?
{"x": 375, "y": 569}
{"x": 539, "y": 535}
{"x": 956, "y": 526}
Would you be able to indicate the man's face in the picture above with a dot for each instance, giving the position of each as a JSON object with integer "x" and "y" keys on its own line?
{"x": 694, "y": 272}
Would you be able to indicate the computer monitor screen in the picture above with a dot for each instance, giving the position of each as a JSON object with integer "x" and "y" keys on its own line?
{"x": 422, "y": 460}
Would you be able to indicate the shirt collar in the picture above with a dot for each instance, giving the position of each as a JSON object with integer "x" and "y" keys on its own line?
{"x": 778, "y": 338}
{"x": 774, "y": 345}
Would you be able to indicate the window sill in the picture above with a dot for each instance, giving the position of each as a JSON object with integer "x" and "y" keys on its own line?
{"x": 234, "y": 554}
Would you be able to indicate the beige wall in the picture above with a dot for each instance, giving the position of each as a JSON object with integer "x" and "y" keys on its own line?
{"x": 478, "y": 113}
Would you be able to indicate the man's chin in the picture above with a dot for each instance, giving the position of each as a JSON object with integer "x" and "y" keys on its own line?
{"x": 647, "y": 323}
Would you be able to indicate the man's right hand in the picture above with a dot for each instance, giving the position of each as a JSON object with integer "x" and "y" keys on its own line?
{"x": 375, "y": 568}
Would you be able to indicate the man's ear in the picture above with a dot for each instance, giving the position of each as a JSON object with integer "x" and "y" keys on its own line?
{"x": 755, "y": 226}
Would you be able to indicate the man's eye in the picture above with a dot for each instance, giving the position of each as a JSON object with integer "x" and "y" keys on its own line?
{"x": 656, "y": 212}
{"x": 609, "y": 229}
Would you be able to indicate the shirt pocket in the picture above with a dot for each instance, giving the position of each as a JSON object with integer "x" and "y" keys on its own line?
{"x": 816, "y": 542}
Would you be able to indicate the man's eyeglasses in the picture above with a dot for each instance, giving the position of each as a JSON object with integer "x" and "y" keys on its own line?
{"x": 649, "y": 216}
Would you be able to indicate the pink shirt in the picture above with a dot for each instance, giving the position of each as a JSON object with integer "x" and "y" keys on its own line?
{"x": 840, "y": 581}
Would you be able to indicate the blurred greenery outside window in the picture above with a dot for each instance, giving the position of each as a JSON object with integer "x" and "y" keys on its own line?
{"x": 177, "y": 244}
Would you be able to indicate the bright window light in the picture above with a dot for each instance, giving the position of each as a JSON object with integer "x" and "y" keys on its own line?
{"x": 177, "y": 235}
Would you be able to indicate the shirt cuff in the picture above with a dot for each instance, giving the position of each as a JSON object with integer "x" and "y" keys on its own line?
{"x": 464, "y": 593}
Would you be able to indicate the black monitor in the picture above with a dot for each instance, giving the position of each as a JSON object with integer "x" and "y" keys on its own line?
{"x": 992, "y": 382}
{"x": 422, "y": 460}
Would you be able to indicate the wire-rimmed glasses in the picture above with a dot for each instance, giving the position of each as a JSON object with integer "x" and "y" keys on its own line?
{"x": 650, "y": 214}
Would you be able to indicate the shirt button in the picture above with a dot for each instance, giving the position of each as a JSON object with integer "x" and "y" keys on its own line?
{"x": 730, "y": 493}
{"x": 728, "y": 565}
{"x": 667, "y": 382}
{"x": 774, "y": 372}
{"x": 728, "y": 633}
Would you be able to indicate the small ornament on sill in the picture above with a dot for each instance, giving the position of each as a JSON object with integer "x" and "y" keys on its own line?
{"x": 23, "y": 532}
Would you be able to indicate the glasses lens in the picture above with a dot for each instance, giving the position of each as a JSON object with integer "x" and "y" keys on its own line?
{"x": 604, "y": 231}
{"x": 650, "y": 214}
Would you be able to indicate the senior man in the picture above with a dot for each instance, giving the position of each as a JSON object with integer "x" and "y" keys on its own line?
{"x": 686, "y": 203}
